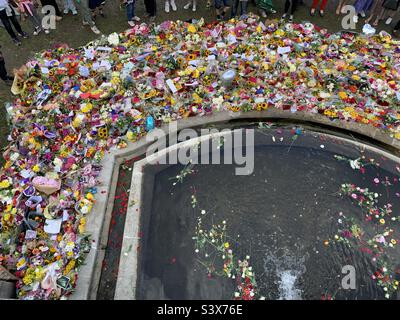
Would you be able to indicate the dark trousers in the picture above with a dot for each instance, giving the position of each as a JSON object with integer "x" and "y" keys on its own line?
{"x": 3, "y": 71}
{"x": 294, "y": 6}
{"x": 151, "y": 7}
{"x": 7, "y": 23}
{"x": 397, "y": 26}
{"x": 52, "y": 3}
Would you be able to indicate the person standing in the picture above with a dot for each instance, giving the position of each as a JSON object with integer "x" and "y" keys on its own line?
{"x": 28, "y": 7}
{"x": 341, "y": 4}
{"x": 235, "y": 7}
{"x": 389, "y": 8}
{"x": 265, "y": 6}
{"x": 321, "y": 8}
{"x": 130, "y": 11}
{"x": 7, "y": 16}
{"x": 3, "y": 71}
{"x": 70, "y": 6}
{"x": 292, "y": 5}
{"x": 170, "y": 3}
{"x": 396, "y": 28}
{"x": 87, "y": 15}
{"x": 151, "y": 8}
{"x": 97, "y": 8}
{"x": 363, "y": 6}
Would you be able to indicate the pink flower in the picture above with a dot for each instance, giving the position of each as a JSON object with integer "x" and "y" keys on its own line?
{"x": 376, "y": 180}
{"x": 354, "y": 196}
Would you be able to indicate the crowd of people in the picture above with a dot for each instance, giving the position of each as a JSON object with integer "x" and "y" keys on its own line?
{"x": 373, "y": 10}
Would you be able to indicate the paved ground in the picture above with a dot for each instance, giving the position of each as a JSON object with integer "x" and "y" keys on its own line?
{"x": 71, "y": 31}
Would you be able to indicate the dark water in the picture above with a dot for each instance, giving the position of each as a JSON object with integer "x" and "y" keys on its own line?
{"x": 280, "y": 215}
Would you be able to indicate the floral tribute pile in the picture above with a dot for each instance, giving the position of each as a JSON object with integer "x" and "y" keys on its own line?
{"x": 72, "y": 105}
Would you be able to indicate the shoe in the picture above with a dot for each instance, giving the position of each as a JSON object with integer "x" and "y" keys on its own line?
{"x": 273, "y": 11}
{"x": 312, "y": 12}
{"x": 284, "y": 16}
{"x": 167, "y": 6}
{"x": 95, "y": 30}
{"x": 24, "y": 35}
{"x": 74, "y": 13}
{"x": 362, "y": 13}
{"x": 17, "y": 42}
{"x": 187, "y": 6}
{"x": 131, "y": 23}
{"x": 85, "y": 23}
{"x": 37, "y": 31}
{"x": 194, "y": 7}
{"x": 46, "y": 31}
{"x": 208, "y": 4}
{"x": 263, "y": 14}
{"x": 291, "y": 18}
{"x": 65, "y": 11}
{"x": 58, "y": 18}
{"x": 136, "y": 18}
{"x": 389, "y": 20}
{"x": 321, "y": 13}
{"x": 173, "y": 5}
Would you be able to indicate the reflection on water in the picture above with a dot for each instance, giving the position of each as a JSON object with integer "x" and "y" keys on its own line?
{"x": 280, "y": 216}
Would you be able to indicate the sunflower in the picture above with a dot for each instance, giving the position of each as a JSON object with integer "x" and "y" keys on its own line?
{"x": 261, "y": 106}
{"x": 191, "y": 56}
{"x": 102, "y": 133}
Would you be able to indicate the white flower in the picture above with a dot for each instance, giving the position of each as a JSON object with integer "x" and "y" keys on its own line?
{"x": 237, "y": 294}
{"x": 197, "y": 250}
{"x": 203, "y": 211}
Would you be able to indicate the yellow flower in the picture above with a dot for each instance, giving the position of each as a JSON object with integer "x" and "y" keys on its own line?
{"x": 393, "y": 241}
{"x": 4, "y": 184}
{"x": 36, "y": 168}
{"x": 382, "y": 221}
{"x": 191, "y": 28}
{"x": 343, "y": 95}
{"x": 226, "y": 245}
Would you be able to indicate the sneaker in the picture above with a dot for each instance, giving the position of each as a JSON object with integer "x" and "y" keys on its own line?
{"x": 46, "y": 31}
{"x": 389, "y": 20}
{"x": 208, "y": 4}
{"x": 321, "y": 13}
{"x": 263, "y": 14}
{"x": 284, "y": 16}
{"x": 131, "y": 23}
{"x": 194, "y": 7}
{"x": 85, "y": 23}
{"x": 312, "y": 12}
{"x": 362, "y": 13}
{"x": 74, "y": 13}
{"x": 291, "y": 18}
{"x": 173, "y": 5}
{"x": 24, "y": 35}
{"x": 37, "y": 31}
{"x": 95, "y": 30}
{"x": 273, "y": 11}
{"x": 17, "y": 42}
{"x": 187, "y": 6}
{"x": 65, "y": 11}
{"x": 167, "y": 6}
{"x": 136, "y": 18}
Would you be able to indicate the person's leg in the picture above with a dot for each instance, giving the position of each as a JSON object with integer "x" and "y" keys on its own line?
{"x": 129, "y": 10}
{"x": 323, "y": 4}
{"x": 243, "y": 8}
{"x": 3, "y": 71}
{"x": 7, "y": 25}
{"x": 294, "y": 6}
{"x": 287, "y": 6}
{"x": 314, "y": 4}
{"x": 35, "y": 19}
{"x": 86, "y": 13}
{"x": 16, "y": 24}
{"x": 235, "y": 5}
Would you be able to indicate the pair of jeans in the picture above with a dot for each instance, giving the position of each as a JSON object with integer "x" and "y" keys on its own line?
{"x": 294, "y": 6}
{"x": 151, "y": 7}
{"x": 69, "y": 5}
{"x": 33, "y": 15}
{"x": 6, "y": 20}
{"x": 219, "y": 3}
{"x": 130, "y": 10}
{"x": 86, "y": 12}
{"x": 235, "y": 6}
{"x": 323, "y": 4}
{"x": 397, "y": 26}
